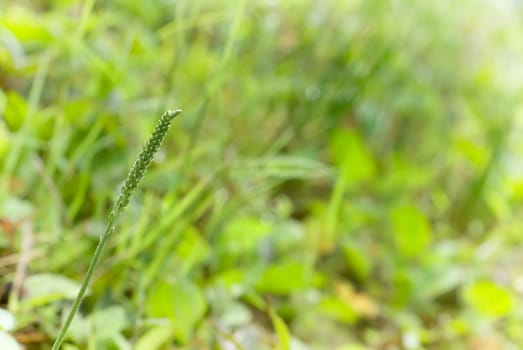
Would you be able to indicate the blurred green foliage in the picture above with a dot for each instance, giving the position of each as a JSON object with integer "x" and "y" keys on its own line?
{"x": 346, "y": 174}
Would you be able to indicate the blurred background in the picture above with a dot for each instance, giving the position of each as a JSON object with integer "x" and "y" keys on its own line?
{"x": 346, "y": 174}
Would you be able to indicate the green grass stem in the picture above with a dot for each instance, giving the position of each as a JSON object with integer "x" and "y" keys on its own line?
{"x": 134, "y": 176}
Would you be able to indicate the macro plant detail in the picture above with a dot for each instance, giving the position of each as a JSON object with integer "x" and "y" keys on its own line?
{"x": 346, "y": 180}
{"x": 132, "y": 180}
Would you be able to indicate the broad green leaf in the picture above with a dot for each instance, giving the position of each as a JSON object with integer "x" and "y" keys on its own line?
{"x": 122, "y": 342}
{"x": 338, "y": 310}
{"x": 233, "y": 280}
{"x": 489, "y": 299}
{"x": 403, "y": 287}
{"x": 182, "y": 302}
{"x": 235, "y": 315}
{"x": 411, "y": 229}
{"x": 4, "y": 140}
{"x": 284, "y": 337}
{"x": 108, "y": 322}
{"x": 474, "y": 153}
{"x": 284, "y": 278}
{"x": 3, "y": 101}
{"x": 436, "y": 280}
{"x": 403, "y": 176}
{"x": 17, "y": 209}
{"x": 499, "y": 203}
{"x": 351, "y": 157}
{"x": 357, "y": 261}
{"x": 26, "y": 28}
{"x": 16, "y": 111}
{"x": 155, "y": 338}
{"x": 192, "y": 249}
{"x": 288, "y": 235}
{"x": 80, "y": 329}
{"x": 76, "y": 113}
{"x": 242, "y": 234}
{"x": 45, "y": 288}
{"x": 70, "y": 347}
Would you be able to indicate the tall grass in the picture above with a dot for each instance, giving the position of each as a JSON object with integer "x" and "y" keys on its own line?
{"x": 132, "y": 180}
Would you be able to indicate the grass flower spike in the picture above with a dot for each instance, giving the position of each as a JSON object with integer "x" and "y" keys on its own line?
{"x": 143, "y": 161}
{"x": 134, "y": 177}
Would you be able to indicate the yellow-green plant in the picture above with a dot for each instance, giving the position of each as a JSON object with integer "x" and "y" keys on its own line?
{"x": 131, "y": 182}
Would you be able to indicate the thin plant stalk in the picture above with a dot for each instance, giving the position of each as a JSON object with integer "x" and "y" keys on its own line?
{"x": 134, "y": 176}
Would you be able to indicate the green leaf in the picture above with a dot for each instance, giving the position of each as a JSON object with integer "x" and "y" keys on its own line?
{"x": 412, "y": 231}
{"x": 5, "y": 140}
{"x": 436, "y": 280}
{"x": 233, "y": 280}
{"x": 403, "y": 288}
{"x": 351, "y": 157}
{"x": 108, "y": 322}
{"x": 154, "y": 338}
{"x": 192, "y": 249}
{"x": 27, "y": 28}
{"x": 472, "y": 151}
{"x": 357, "y": 261}
{"x": 243, "y": 234}
{"x": 80, "y": 329}
{"x": 16, "y": 110}
{"x": 284, "y": 278}
{"x": 45, "y": 288}
{"x": 338, "y": 310}
{"x": 182, "y": 302}
{"x": 17, "y": 209}
{"x": 3, "y": 101}
{"x": 70, "y": 347}
{"x": 489, "y": 299}
{"x": 284, "y": 337}
{"x": 235, "y": 315}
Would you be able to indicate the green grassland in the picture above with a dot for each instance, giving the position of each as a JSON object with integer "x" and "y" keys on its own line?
{"x": 346, "y": 174}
